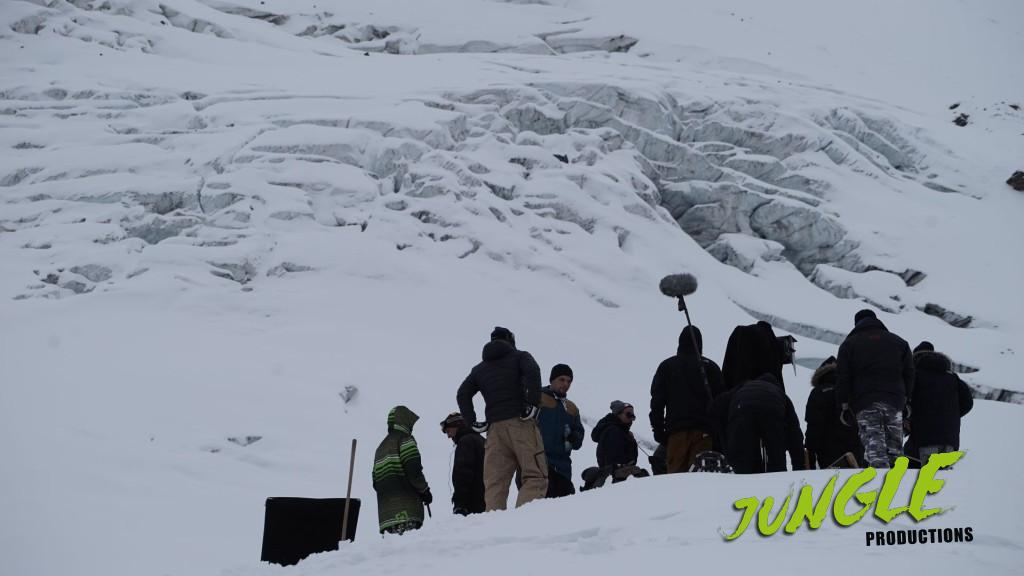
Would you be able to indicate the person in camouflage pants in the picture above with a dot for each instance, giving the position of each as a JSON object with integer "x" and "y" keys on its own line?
{"x": 874, "y": 381}
{"x": 402, "y": 490}
{"x": 881, "y": 432}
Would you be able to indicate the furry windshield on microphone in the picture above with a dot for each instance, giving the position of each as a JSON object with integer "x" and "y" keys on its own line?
{"x": 678, "y": 285}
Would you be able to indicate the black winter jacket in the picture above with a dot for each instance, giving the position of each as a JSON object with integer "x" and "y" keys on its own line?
{"x": 509, "y": 379}
{"x": 875, "y": 365}
{"x": 940, "y": 399}
{"x": 679, "y": 398}
{"x": 616, "y": 445}
{"x": 827, "y": 437}
{"x": 468, "y": 471}
{"x": 765, "y": 396}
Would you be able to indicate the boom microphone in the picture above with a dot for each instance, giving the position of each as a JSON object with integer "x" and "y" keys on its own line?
{"x": 678, "y": 285}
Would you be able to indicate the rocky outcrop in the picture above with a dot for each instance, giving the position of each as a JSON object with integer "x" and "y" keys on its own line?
{"x": 1017, "y": 181}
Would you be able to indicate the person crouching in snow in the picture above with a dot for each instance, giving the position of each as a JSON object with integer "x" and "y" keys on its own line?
{"x": 616, "y": 446}
{"x": 402, "y": 491}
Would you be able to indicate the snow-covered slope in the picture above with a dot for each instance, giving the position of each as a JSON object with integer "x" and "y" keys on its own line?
{"x": 216, "y": 216}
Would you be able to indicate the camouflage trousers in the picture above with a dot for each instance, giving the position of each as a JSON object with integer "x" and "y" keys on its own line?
{"x": 880, "y": 427}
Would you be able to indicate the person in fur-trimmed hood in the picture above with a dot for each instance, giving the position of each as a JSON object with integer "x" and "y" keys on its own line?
{"x": 827, "y": 438}
{"x": 940, "y": 400}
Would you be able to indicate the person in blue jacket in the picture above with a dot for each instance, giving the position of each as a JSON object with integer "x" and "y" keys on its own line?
{"x": 560, "y": 429}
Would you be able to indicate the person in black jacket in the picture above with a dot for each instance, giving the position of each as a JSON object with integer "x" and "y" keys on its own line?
{"x": 875, "y": 379}
{"x": 617, "y": 449}
{"x": 680, "y": 398}
{"x": 509, "y": 380}
{"x": 468, "y": 466}
{"x": 827, "y": 438}
{"x": 762, "y": 416}
{"x": 940, "y": 400}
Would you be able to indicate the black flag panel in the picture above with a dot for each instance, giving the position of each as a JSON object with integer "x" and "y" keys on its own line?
{"x": 294, "y": 528}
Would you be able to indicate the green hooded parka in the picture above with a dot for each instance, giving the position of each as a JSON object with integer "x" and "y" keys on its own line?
{"x": 398, "y": 474}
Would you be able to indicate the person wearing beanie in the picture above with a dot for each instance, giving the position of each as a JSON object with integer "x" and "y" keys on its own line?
{"x": 924, "y": 346}
{"x": 681, "y": 396}
{"x": 863, "y": 315}
{"x": 509, "y": 381}
{"x": 561, "y": 430}
{"x": 616, "y": 445}
{"x": 874, "y": 382}
{"x": 940, "y": 400}
{"x": 467, "y": 467}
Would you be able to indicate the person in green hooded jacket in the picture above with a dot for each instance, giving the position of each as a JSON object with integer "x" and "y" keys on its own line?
{"x": 402, "y": 490}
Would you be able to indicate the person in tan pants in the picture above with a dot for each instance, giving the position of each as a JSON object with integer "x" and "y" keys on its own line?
{"x": 509, "y": 381}
{"x": 512, "y": 445}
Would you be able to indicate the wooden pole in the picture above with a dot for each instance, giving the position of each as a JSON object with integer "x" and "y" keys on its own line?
{"x": 348, "y": 494}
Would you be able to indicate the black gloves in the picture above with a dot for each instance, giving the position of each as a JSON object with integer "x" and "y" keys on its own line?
{"x": 529, "y": 412}
{"x": 660, "y": 437}
{"x": 427, "y": 497}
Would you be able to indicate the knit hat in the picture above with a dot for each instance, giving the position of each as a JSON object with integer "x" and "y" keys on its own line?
{"x": 452, "y": 420}
{"x": 560, "y": 370}
{"x": 865, "y": 313}
{"x": 617, "y": 406}
{"x": 505, "y": 334}
{"x": 924, "y": 346}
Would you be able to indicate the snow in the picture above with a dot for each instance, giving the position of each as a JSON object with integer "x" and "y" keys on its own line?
{"x": 216, "y": 216}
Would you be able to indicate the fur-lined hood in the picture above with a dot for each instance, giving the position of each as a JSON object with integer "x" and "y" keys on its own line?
{"x": 930, "y": 361}
{"x": 825, "y": 374}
